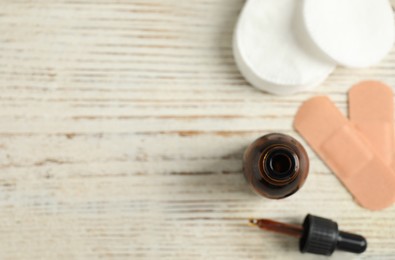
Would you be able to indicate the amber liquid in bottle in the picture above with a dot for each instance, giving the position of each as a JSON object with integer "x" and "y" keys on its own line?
{"x": 275, "y": 165}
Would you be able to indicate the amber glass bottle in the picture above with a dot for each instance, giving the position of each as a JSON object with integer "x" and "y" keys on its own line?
{"x": 275, "y": 165}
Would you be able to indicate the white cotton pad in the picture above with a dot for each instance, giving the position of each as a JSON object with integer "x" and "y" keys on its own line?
{"x": 268, "y": 53}
{"x": 354, "y": 33}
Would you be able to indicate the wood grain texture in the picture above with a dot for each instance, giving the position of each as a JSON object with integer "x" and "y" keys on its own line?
{"x": 122, "y": 127}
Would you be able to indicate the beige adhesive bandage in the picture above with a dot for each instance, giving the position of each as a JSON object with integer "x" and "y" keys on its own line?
{"x": 371, "y": 110}
{"x": 346, "y": 152}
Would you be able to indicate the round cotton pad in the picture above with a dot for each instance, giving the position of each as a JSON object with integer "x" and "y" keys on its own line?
{"x": 268, "y": 53}
{"x": 354, "y": 33}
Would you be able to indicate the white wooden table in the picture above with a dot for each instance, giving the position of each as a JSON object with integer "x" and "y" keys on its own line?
{"x": 122, "y": 127}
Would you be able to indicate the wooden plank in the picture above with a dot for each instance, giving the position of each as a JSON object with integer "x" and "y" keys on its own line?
{"x": 122, "y": 127}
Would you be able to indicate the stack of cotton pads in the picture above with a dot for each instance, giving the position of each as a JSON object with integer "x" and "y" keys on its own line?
{"x": 288, "y": 46}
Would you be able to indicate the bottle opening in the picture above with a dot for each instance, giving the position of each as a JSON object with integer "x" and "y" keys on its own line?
{"x": 280, "y": 163}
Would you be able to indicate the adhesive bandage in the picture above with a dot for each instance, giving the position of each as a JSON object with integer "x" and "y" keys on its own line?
{"x": 346, "y": 152}
{"x": 371, "y": 110}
